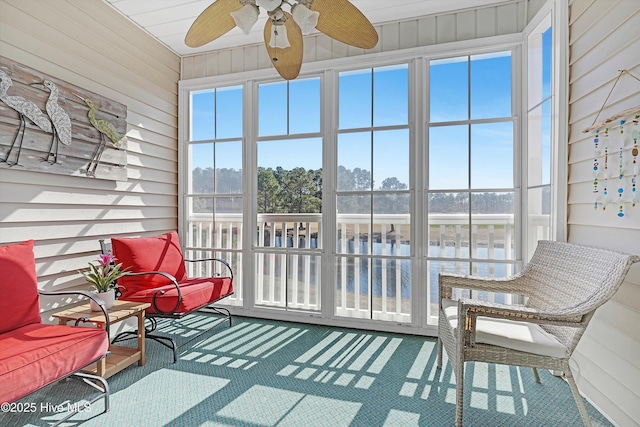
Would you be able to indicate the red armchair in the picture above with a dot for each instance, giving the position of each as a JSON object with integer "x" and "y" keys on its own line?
{"x": 33, "y": 354}
{"x": 157, "y": 275}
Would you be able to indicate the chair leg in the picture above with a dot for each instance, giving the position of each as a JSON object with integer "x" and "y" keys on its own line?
{"x": 535, "y": 375}
{"x": 124, "y": 336}
{"x": 217, "y": 310}
{"x": 89, "y": 379}
{"x": 167, "y": 342}
{"x": 578, "y": 398}
{"x": 439, "y": 365}
{"x": 103, "y": 387}
{"x": 459, "y": 374}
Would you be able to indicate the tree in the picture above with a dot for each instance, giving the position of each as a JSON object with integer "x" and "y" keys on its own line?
{"x": 317, "y": 181}
{"x": 228, "y": 181}
{"x": 346, "y": 180}
{"x": 393, "y": 183}
{"x": 202, "y": 180}
{"x": 362, "y": 178}
{"x": 299, "y": 192}
{"x": 268, "y": 191}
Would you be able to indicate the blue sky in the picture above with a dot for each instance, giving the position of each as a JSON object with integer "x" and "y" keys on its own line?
{"x": 476, "y": 88}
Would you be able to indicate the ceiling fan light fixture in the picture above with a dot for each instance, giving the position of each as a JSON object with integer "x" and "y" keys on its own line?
{"x": 284, "y": 30}
{"x": 269, "y": 5}
{"x": 306, "y": 18}
{"x": 246, "y": 17}
{"x": 279, "y": 37}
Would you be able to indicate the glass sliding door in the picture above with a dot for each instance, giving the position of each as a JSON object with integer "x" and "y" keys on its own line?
{"x": 289, "y": 198}
{"x": 373, "y": 197}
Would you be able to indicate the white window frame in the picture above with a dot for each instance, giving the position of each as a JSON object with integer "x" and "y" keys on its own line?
{"x": 328, "y": 70}
{"x": 557, "y": 12}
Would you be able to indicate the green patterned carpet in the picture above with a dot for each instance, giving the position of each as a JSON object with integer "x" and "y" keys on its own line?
{"x": 266, "y": 373}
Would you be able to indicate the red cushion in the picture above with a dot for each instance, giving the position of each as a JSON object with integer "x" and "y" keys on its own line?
{"x": 159, "y": 253}
{"x": 19, "y": 304}
{"x": 195, "y": 292}
{"x": 36, "y": 355}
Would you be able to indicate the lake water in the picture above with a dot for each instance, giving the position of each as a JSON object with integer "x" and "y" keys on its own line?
{"x": 361, "y": 278}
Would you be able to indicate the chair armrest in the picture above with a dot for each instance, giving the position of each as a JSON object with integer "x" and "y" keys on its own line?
{"x": 509, "y": 285}
{"x": 226, "y": 264}
{"x": 90, "y": 295}
{"x": 475, "y": 308}
{"x": 174, "y": 282}
{"x": 469, "y": 310}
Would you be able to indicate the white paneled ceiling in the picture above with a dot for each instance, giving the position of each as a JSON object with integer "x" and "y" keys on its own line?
{"x": 169, "y": 20}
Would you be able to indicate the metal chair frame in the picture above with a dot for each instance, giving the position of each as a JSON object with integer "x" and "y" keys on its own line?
{"x": 92, "y": 380}
{"x": 167, "y": 341}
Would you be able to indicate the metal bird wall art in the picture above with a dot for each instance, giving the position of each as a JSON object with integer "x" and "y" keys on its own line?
{"x": 59, "y": 118}
{"x": 106, "y": 129}
{"x": 25, "y": 108}
{"x": 45, "y": 128}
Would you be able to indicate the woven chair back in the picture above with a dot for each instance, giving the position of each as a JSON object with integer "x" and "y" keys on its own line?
{"x": 565, "y": 277}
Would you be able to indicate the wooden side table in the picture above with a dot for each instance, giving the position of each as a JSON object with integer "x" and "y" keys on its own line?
{"x": 120, "y": 357}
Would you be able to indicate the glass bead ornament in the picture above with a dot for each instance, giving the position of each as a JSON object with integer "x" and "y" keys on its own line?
{"x": 620, "y": 204}
{"x": 620, "y": 172}
{"x": 605, "y": 181}
{"x": 634, "y": 177}
{"x": 596, "y": 164}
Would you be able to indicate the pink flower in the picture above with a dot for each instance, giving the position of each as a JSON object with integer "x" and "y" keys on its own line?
{"x": 105, "y": 260}
{"x": 105, "y": 274}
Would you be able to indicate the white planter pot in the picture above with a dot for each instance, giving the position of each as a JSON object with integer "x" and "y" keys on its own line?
{"x": 108, "y": 297}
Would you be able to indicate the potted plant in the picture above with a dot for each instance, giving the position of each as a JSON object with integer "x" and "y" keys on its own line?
{"x": 103, "y": 277}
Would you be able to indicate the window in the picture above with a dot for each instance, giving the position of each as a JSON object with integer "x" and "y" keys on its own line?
{"x": 289, "y": 197}
{"x": 214, "y": 201}
{"x": 338, "y": 193}
{"x": 472, "y": 194}
{"x": 539, "y": 116}
{"x": 373, "y": 268}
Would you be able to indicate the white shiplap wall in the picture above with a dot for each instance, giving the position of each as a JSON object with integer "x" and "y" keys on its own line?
{"x": 89, "y": 44}
{"x": 605, "y": 38}
{"x": 504, "y": 18}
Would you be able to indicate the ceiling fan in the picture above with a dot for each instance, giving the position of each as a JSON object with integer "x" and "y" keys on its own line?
{"x": 338, "y": 19}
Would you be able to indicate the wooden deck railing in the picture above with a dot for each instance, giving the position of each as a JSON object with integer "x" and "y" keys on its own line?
{"x": 372, "y": 276}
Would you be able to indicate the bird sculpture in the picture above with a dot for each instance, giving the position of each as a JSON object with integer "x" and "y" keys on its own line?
{"x": 60, "y": 119}
{"x": 25, "y": 108}
{"x": 106, "y": 129}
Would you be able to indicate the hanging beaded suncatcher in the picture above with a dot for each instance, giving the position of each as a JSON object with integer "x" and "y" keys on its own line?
{"x": 634, "y": 153}
{"x": 621, "y": 131}
{"x": 621, "y": 172}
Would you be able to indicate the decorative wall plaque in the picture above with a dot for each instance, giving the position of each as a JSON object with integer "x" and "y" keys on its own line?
{"x": 49, "y": 125}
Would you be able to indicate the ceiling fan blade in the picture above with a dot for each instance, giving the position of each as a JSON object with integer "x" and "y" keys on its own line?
{"x": 289, "y": 60}
{"x": 213, "y": 22}
{"x": 341, "y": 20}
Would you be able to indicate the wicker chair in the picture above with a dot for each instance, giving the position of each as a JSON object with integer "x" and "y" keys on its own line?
{"x": 563, "y": 285}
